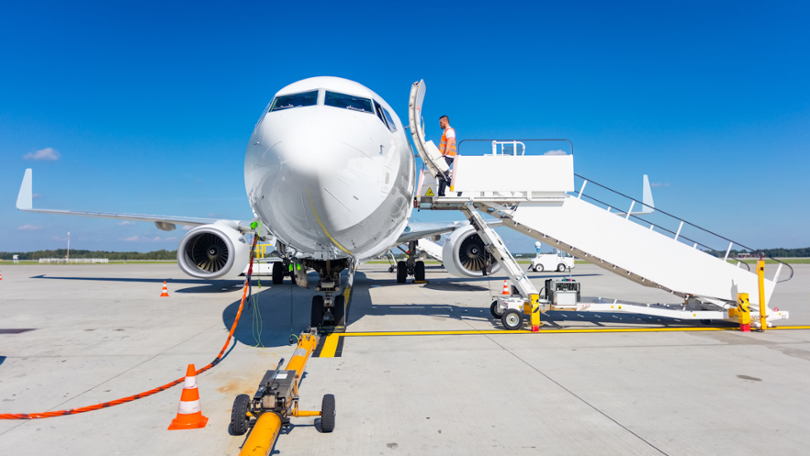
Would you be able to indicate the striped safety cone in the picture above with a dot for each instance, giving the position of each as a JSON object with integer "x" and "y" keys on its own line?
{"x": 165, "y": 293}
{"x": 505, "y": 289}
{"x": 189, "y": 413}
{"x": 1, "y": 276}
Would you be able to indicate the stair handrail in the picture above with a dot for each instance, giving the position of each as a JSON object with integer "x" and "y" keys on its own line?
{"x": 516, "y": 140}
{"x": 731, "y": 241}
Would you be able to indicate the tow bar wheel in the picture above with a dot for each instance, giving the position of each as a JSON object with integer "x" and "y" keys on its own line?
{"x": 328, "y": 413}
{"x": 239, "y": 414}
{"x": 512, "y": 319}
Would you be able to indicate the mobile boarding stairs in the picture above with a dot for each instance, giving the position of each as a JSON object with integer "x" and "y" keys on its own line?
{"x": 535, "y": 195}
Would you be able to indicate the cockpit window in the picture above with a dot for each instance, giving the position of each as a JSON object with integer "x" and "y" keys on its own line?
{"x": 350, "y": 102}
{"x": 390, "y": 120}
{"x": 294, "y": 101}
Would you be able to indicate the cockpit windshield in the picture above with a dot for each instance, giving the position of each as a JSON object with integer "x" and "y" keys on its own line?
{"x": 294, "y": 101}
{"x": 350, "y": 102}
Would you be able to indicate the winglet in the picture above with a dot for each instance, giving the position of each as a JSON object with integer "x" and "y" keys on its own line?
{"x": 647, "y": 197}
{"x": 25, "y": 195}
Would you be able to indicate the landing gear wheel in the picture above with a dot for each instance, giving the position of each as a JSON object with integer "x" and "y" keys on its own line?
{"x": 317, "y": 311}
{"x": 493, "y": 309}
{"x": 560, "y": 267}
{"x": 390, "y": 269}
{"x": 328, "y": 413}
{"x": 278, "y": 273}
{"x": 239, "y": 414}
{"x": 512, "y": 319}
{"x": 419, "y": 271}
{"x": 402, "y": 272}
{"x": 339, "y": 310}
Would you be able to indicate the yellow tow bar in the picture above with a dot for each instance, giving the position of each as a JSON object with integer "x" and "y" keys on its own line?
{"x": 276, "y": 401}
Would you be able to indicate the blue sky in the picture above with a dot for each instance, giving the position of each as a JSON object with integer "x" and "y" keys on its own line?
{"x": 149, "y": 106}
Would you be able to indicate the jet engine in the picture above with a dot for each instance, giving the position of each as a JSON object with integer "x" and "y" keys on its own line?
{"x": 213, "y": 252}
{"x": 464, "y": 254}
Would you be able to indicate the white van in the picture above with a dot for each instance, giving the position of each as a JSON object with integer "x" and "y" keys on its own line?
{"x": 559, "y": 262}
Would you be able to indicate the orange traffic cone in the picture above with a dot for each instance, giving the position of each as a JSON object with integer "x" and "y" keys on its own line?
{"x": 165, "y": 293}
{"x": 505, "y": 289}
{"x": 189, "y": 413}
{"x": 1, "y": 276}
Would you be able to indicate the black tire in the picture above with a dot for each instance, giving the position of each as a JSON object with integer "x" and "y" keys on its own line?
{"x": 512, "y": 319}
{"x": 390, "y": 269}
{"x": 339, "y": 310}
{"x": 402, "y": 272}
{"x": 317, "y": 311}
{"x": 239, "y": 418}
{"x": 560, "y": 267}
{"x": 278, "y": 273}
{"x": 328, "y": 413}
{"x": 492, "y": 310}
{"x": 419, "y": 271}
{"x": 539, "y": 268}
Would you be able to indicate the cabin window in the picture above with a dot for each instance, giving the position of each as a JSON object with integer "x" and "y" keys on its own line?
{"x": 350, "y": 102}
{"x": 294, "y": 101}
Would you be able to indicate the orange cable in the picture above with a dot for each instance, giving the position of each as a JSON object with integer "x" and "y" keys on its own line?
{"x": 124, "y": 400}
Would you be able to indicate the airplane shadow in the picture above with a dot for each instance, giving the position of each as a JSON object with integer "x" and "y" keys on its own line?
{"x": 279, "y": 311}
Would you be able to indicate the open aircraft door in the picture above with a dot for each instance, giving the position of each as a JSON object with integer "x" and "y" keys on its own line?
{"x": 428, "y": 151}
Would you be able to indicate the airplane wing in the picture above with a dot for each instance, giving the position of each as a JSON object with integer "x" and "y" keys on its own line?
{"x": 165, "y": 223}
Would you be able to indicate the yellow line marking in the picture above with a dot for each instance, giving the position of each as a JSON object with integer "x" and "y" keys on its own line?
{"x": 331, "y": 343}
{"x": 544, "y": 331}
{"x": 330, "y": 346}
{"x": 323, "y": 227}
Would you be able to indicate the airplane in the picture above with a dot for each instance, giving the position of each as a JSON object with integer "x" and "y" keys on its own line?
{"x": 330, "y": 175}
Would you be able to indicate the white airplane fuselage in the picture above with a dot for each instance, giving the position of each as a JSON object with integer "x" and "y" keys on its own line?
{"x": 331, "y": 174}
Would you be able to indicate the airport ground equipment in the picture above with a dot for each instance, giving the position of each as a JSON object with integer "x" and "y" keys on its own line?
{"x": 535, "y": 195}
{"x": 276, "y": 401}
{"x": 558, "y": 261}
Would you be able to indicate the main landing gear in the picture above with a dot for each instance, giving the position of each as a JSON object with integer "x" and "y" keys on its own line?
{"x": 411, "y": 267}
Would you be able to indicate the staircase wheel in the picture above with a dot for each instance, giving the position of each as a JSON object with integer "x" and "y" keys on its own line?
{"x": 493, "y": 309}
{"x": 512, "y": 319}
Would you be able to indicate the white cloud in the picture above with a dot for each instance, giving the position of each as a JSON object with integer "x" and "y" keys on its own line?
{"x": 126, "y": 223}
{"x": 187, "y": 227}
{"x": 59, "y": 238}
{"x": 47, "y": 153}
{"x": 172, "y": 238}
{"x": 659, "y": 184}
{"x": 36, "y": 195}
{"x": 133, "y": 239}
{"x": 555, "y": 152}
{"x": 30, "y": 228}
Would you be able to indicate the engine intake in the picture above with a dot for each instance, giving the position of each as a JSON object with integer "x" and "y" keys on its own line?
{"x": 212, "y": 252}
{"x": 464, "y": 254}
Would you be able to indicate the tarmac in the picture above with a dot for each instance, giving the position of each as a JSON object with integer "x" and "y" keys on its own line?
{"x": 76, "y": 335}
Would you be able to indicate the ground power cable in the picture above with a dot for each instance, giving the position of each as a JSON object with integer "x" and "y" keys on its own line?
{"x": 124, "y": 400}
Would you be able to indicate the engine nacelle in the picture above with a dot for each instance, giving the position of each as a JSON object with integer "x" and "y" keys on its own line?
{"x": 214, "y": 251}
{"x": 464, "y": 254}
